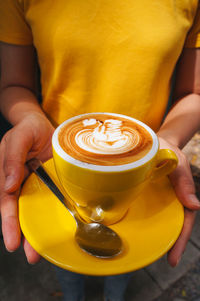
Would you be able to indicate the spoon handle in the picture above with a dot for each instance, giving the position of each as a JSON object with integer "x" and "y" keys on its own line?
{"x": 34, "y": 165}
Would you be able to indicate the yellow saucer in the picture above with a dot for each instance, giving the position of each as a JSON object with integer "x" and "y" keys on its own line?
{"x": 148, "y": 231}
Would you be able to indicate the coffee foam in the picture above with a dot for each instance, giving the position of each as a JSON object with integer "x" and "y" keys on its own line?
{"x": 105, "y": 139}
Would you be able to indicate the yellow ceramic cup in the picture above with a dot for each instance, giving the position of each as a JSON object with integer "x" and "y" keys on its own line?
{"x": 104, "y": 193}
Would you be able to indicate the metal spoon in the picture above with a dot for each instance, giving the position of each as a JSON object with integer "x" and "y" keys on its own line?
{"x": 94, "y": 238}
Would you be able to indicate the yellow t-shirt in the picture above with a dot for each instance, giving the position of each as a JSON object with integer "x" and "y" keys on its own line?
{"x": 103, "y": 55}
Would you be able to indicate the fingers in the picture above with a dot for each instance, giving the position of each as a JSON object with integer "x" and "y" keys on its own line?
{"x": 23, "y": 142}
{"x": 178, "y": 249}
{"x": 8, "y": 202}
{"x": 184, "y": 187}
{"x": 9, "y": 215}
{"x": 10, "y": 224}
{"x": 32, "y": 256}
{"x": 14, "y": 149}
{"x": 182, "y": 181}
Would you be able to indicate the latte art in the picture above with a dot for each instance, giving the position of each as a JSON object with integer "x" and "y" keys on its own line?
{"x": 103, "y": 139}
{"x": 107, "y": 137}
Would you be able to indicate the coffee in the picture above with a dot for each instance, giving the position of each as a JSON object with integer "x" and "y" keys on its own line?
{"x": 105, "y": 160}
{"x": 105, "y": 139}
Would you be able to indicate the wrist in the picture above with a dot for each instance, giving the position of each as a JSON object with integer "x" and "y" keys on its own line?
{"x": 182, "y": 121}
{"x": 39, "y": 119}
{"x": 170, "y": 137}
{"x": 17, "y": 102}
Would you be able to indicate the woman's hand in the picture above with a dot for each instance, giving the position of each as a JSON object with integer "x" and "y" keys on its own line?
{"x": 183, "y": 184}
{"x": 28, "y": 139}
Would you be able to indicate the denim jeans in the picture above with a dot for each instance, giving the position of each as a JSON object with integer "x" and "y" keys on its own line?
{"x": 72, "y": 285}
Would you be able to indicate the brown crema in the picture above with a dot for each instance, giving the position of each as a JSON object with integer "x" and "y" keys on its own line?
{"x": 68, "y": 133}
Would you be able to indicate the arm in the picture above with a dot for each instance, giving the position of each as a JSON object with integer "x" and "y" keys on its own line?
{"x": 183, "y": 120}
{"x": 179, "y": 126}
{"x": 17, "y": 97}
{"x": 29, "y": 137}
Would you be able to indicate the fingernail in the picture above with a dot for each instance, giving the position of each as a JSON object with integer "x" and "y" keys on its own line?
{"x": 10, "y": 251}
{"x": 31, "y": 263}
{"x": 193, "y": 199}
{"x": 9, "y": 182}
{"x": 178, "y": 260}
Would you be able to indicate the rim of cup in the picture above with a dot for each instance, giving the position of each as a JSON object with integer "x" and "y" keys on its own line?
{"x": 108, "y": 168}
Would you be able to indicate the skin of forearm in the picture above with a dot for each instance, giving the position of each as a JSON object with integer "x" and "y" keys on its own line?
{"x": 183, "y": 120}
{"x": 17, "y": 102}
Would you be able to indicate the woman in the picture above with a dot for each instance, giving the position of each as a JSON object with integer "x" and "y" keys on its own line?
{"x": 98, "y": 55}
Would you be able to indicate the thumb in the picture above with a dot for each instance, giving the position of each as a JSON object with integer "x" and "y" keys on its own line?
{"x": 16, "y": 146}
{"x": 182, "y": 181}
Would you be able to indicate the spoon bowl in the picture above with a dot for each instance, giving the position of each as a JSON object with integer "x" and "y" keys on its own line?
{"x": 94, "y": 238}
{"x": 103, "y": 241}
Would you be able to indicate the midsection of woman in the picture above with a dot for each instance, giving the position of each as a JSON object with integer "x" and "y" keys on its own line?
{"x": 100, "y": 55}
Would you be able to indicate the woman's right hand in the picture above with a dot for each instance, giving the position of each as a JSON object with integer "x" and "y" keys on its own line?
{"x": 30, "y": 138}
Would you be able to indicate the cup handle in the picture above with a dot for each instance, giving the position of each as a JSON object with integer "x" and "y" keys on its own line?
{"x": 166, "y": 162}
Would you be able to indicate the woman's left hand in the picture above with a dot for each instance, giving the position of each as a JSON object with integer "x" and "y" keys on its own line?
{"x": 183, "y": 184}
